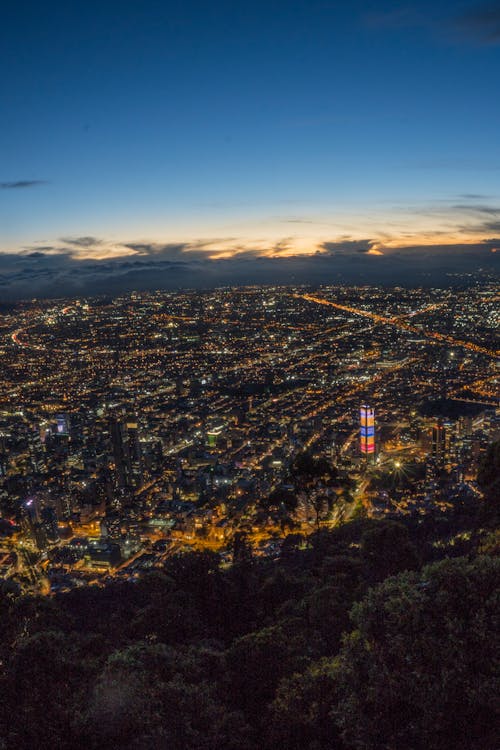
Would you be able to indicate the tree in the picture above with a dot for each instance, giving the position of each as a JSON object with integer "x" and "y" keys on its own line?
{"x": 242, "y": 549}
{"x": 38, "y": 686}
{"x": 291, "y": 545}
{"x": 320, "y": 504}
{"x": 280, "y": 496}
{"x": 309, "y": 470}
{"x": 154, "y": 697}
{"x": 280, "y": 505}
{"x": 256, "y": 662}
{"x": 312, "y": 475}
{"x": 421, "y": 668}
{"x": 301, "y": 711}
{"x": 386, "y": 549}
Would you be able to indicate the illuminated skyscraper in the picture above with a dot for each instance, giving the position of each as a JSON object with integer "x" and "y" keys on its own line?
{"x": 367, "y": 430}
{"x": 63, "y": 424}
{"x": 134, "y": 450}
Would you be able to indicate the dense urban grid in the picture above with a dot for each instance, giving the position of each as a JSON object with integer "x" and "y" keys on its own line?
{"x": 135, "y": 427}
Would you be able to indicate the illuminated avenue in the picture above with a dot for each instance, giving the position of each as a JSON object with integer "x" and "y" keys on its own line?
{"x": 137, "y": 426}
{"x": 398, "y": 322}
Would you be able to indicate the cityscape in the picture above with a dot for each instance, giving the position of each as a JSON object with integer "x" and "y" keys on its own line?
{"x": 136, "y": 427}
{"x": 249, "y": 375}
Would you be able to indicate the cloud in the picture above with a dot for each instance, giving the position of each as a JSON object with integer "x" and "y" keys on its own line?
{"x": 347, "y": 247}
{"x": 483, "y": 218}
{"x": 477, "y": 208}
{"x": 158, "y": 249}
{"x": 473, "y": 197}
{"x": 298, "y": 221}
{"x": 174, "y": 250}
{"x": 21, "y": 184}
{"x": 491, "y": 226}
{"x": 81, "y": 241}
{"x": 62, "y": 272}
{"x": 405, "y": 16}
{"x": 455, "y": 163}
{"x": 449, "y": 219}
{"x": 455, "y": 251}
{"x": 481, "y": 24}
{"x": 283, "y": 247}
{"x": 39, "y": 250}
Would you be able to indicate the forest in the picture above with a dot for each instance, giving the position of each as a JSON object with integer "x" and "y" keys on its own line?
{"x": 376, "y": 635}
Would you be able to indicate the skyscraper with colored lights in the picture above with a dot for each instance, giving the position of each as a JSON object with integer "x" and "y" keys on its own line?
{"x": 367, "y": 430}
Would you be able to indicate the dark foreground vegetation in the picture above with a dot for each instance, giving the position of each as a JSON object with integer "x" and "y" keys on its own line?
{"x": 378, "y": 635}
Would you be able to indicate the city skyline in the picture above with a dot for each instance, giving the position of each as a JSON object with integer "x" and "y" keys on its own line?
{"x": 249, "y": 384}
{"x": 179, "y": 143}
{"x": 179, "y": 418}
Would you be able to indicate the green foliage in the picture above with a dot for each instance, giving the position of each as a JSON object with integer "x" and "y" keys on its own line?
{"x": 344, "y": 643}
{"x": 257, "y": 661}
{"x": 421, "y": 668}
{"x": 301, "y": 713}
{"x": 386, "y": 549}
{"x": 38, "y": 687}
{"x": 154, "y": 696}
{"x": 280, "y": 497}
{"x": 307, "y": 468}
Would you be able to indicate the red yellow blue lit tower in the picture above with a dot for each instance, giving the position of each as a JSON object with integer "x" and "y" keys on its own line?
{"x": 367, "y": 431}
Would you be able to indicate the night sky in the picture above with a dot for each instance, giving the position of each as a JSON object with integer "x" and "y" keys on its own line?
{"x": 149, "y": 144}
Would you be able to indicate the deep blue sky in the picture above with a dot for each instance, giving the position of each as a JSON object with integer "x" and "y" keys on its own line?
{"x": 263, "y": 126}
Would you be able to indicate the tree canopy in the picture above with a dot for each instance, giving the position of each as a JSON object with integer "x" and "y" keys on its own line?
{"x": 370, "y": 636}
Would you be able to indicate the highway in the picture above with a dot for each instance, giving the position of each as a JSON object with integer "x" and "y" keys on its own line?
{"x": 397, "y": 321}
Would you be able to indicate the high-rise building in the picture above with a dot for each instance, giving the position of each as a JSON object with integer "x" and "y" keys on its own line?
{"x": 134, "y": 448}
{"x": 49, "y": 524}
{"x": 367, "y": 430}
{"x": 112, "y": 526}
{"x": 63, "y": 424}
{"x": 439, "y": 442}
{"x": 37, "y": 451}
{"x": 4, "y": 457}
{"x": 126, "y": 450}
{"x": 121, "y": 456}
{"x": 30, "y": 522}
